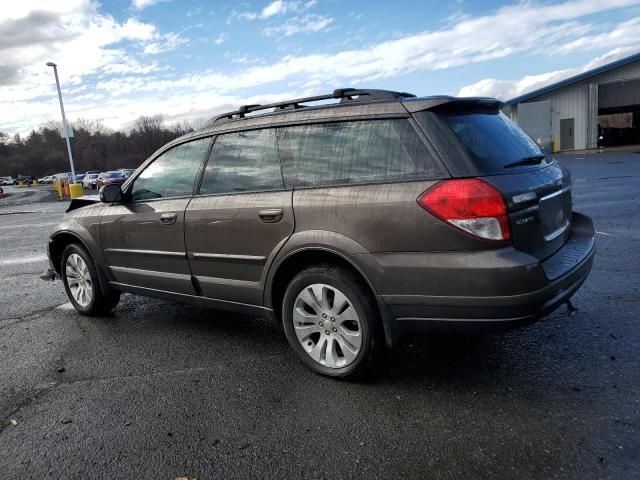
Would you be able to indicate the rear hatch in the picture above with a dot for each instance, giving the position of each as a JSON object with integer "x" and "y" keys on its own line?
{"x": 479, "y": 141}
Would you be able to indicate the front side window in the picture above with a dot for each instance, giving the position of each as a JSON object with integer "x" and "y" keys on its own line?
{"x": 173, "y": 173}
{"x": 361, "y": 151}
{"x": 243, "y": 162}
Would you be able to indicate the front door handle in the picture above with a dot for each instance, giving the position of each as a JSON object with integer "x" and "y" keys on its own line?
{"x": 271, "y": 215}
{"x": 168, "y": 218}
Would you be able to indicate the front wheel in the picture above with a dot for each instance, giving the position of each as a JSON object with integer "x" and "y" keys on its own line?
{"x": 332, "y": 323}
{"x": 80, "y": 279}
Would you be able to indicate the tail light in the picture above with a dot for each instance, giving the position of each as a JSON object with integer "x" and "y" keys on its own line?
{"x": 471, "y": 205}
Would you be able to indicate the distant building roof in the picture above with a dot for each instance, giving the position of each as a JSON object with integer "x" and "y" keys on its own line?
{"x": 570, "y": 81}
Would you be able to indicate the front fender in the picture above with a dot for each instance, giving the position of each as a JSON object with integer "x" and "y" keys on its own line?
{"x": 84, "y": 227}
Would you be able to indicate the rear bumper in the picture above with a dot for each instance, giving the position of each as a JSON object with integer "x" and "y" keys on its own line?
{"x": 541, "y": 288}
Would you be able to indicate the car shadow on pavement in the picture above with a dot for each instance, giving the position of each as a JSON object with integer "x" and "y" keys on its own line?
{"x": 436, "y": 358}
{"x": 443, "y": 358}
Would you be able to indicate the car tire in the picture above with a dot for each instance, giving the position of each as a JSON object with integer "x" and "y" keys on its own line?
{"x": 80, "y": 278}
{"x": 332, "y": 322}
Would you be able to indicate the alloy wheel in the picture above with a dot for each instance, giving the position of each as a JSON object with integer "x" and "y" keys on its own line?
{"x": 79, "y": 280}
{"x": 327, "y": 325}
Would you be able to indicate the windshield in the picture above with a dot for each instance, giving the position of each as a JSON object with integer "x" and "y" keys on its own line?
{"x": 491, "y": 138}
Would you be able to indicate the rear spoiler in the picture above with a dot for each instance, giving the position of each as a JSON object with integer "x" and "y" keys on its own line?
{"x": 430, "y": 103}
{"x": 83, "y": 202}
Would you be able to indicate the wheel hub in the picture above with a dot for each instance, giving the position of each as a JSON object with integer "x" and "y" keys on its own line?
{"x": 327, "y": 325}
{"x": 79, "y": 280}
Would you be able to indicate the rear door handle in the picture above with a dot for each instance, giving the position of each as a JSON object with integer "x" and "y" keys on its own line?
{"x": 168, "y": 218}
{"x": 271, "y": 215}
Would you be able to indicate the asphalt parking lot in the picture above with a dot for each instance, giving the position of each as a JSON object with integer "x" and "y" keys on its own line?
{"x": 160, "y": 390}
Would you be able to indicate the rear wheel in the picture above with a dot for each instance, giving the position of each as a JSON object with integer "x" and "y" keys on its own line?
{"x": 332, "y": 322}
{"x": 80, "y": 279}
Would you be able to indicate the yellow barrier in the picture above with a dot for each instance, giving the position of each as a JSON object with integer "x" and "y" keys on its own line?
{"x": 20, "y": 183}
{"x": 554, "y": 142}
{"x": 34, "y": 183}
{"x": 75, "y": 190}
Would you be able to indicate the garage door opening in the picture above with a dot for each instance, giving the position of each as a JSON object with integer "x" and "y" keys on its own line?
{"x": 619, "y": 113}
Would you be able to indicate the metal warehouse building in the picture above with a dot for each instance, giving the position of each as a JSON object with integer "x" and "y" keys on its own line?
{"x": 600, "y": 107}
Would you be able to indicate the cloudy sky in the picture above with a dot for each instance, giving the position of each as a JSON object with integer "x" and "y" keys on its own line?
{"x": 190, "y": 59}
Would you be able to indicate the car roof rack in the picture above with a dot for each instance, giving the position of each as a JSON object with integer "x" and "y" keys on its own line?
{"x": 344, "y": 94}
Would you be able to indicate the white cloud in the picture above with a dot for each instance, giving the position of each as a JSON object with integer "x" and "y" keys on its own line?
{"x": 164, "y": 43}
{"x": 307, "y": 24}
{"x": 275, "y": 8}
{"x": 100, "y": 55}
{"x": 508, "y": 89}
{"x": 16, "y": 10}
{"x": 76, "y": 36}
{"x": 140, "y": 4}
{"x": 539, "y": 30}
{"x": 220, "y": 39}
{"x": 241, "y": 58}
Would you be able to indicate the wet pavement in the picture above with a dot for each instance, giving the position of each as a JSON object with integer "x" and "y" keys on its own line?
{"x": 161, "y": 390}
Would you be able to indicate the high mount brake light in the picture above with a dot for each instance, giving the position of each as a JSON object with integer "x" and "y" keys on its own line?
{"x": 469, "y": 204}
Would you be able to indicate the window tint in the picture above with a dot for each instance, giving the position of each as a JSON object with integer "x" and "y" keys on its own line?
{"x": 491, "y": 139}
{"x": 355, "y": 152}
{"x": 243, "y": 161}
{"x": 171, "y": 174}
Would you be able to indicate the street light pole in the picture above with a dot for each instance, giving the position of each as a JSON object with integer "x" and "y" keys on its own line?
{"x": 65, "y": 127}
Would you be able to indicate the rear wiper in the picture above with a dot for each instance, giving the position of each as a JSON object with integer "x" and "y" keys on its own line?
{"x": 532, "y": 160}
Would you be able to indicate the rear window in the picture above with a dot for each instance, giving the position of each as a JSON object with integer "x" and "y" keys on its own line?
{"x": 491, "y": 138}
{"x": 352, "y": 152}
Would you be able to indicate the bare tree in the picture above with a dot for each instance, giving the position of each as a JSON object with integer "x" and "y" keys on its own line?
{"x": 94, "y": 146}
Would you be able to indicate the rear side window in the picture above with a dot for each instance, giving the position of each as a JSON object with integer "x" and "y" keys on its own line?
{"x": 490, "y": 137}
{"x": 351, "y": 152}
{"x": 243, "y": 161}
{"x": 173, "y": 173}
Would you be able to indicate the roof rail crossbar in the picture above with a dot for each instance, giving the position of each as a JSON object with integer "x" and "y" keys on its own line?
{"x": 344, "y": 94}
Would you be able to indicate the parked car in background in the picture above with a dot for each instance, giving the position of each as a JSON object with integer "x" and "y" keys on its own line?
{"x": 80, "y": 177}
{"x": 126, "y": 172}
{"x": 24, "y": 179}
{"x": 6, "y": 181}
{"x": 45, "y": 180}
{"x": 349, "y": 224}
{"x": 109, "y": 178}
{"x": 90, "y": 180}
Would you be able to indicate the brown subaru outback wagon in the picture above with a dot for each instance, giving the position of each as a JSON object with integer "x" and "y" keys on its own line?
{"x": 349, "y": 223}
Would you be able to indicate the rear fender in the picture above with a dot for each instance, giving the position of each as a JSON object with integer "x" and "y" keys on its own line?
{"x": 347, "y": 250}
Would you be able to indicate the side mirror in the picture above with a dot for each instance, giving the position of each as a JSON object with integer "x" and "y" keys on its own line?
{"x": 111, "y": 194}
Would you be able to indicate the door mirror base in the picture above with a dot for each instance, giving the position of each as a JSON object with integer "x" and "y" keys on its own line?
{"x": 111, "y": 194}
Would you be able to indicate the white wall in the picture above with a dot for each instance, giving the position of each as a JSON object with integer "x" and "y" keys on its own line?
{"x": 569, "y": 102}
{"x": 572, "y": 101}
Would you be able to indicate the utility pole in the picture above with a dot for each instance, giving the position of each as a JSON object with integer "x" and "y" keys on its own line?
{"x": 65, "y": 127}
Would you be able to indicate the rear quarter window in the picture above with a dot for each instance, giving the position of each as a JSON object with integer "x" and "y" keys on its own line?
{"x": 354, "y": 152}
